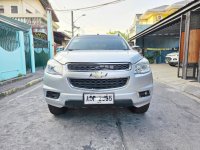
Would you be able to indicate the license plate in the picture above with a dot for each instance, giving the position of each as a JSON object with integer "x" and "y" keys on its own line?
{"x": 98, "y": 98}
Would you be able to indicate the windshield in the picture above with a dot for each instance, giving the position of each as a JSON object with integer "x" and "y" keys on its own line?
{"x": 98, "y": 43}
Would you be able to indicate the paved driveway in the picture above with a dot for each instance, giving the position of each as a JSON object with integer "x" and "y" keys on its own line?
{"x": 172, "y": 122}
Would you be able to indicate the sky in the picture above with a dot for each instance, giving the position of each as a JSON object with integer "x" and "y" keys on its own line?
{"x": 100, "y": 21}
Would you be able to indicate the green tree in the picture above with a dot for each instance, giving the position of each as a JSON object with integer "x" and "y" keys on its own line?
{"x": 126, "y": 36}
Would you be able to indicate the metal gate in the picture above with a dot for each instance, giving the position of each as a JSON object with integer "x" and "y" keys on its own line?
{"x": 41, "y": 48}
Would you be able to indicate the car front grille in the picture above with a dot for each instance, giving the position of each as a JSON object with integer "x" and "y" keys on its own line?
{"x": 98, "y": 66}
{"x": 98, "y": 83}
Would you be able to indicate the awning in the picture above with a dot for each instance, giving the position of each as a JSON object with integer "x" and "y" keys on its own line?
{"x": 170, "y": 21}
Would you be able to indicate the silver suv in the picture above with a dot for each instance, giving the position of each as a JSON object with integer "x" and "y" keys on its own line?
{"x": 98, "y": 70}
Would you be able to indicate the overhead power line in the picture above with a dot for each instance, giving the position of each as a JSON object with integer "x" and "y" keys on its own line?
{"x": 91, "y": 7}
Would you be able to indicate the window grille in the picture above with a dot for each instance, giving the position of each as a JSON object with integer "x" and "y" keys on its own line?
{"x": 1, "y": 9}
{"x": 9, "y": 39}
{"x": 14, "y": 9}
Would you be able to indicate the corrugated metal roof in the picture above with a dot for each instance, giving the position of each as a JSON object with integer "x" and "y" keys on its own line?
{"x": 61, "y": 34}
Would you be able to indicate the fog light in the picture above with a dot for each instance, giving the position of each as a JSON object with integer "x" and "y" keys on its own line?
{"x": 54, "y": 95}
{"x": 144, "y": 93}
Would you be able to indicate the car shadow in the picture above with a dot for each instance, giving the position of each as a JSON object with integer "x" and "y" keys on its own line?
{"x": 103, "y": 116}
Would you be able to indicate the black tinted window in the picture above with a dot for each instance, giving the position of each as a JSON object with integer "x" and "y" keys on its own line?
{"x": 98, "y": 43}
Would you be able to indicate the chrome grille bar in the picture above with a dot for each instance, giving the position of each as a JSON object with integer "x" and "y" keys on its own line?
{"x": 98, "y": 66}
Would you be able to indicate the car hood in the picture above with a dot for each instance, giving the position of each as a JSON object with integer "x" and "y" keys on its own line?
{"x": 98, "y": 56}
{"x": 172, "y": 54}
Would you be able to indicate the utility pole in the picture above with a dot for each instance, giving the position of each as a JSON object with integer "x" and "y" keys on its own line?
{"x": 73, "y": 21}
{"x": 72, "y": 18}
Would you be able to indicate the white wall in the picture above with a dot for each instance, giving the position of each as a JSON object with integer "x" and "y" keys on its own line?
{"x": 32, "y": 5}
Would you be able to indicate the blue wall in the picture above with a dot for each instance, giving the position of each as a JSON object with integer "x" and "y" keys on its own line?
{"x": 161, "y": 42}
{"x": 10, "y": 64}
{"x": 158, "y": 44}
{"x": 162, "y": 53}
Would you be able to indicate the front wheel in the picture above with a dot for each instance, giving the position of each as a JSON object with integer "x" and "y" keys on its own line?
{"x": 172, "y": 64}
{"x": 140, "y": 110}
{"x": 56, "y": 111}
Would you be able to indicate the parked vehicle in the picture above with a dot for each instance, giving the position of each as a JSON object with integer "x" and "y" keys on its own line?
{"x": 97, "y": 70}
{"x": 172, "y": 58}
{"x": 59, "y": 48}
{"x": 137, "y": 48}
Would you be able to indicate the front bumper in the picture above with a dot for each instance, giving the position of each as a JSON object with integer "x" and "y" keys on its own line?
{"x": 127, "y": 95}
{"x": 169, "y": 59}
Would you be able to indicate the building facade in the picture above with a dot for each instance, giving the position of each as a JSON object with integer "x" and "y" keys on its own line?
{"x": 154, "y": 47}
{"x": 32, "y": 12}
{"x": 152, "y": 16}
{"x": 16, "y": 48}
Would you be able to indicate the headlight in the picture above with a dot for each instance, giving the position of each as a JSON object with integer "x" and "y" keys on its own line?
{"x": 54, "y": 67}
{"x": 142, "y": 66}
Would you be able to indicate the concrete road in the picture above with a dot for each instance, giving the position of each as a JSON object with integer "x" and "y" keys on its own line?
{"x": 172, "y": 123}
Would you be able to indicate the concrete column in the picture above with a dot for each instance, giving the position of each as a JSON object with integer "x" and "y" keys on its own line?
{"x": 198, "y": 77}
{"x": 143, "y": 46}
{"x": 32, "y": 51}
{"x": 22, "y": 53}
{"x": 186, "y": 45}
{"x": 50, "y": 33}
{"x": 180, "y": 37}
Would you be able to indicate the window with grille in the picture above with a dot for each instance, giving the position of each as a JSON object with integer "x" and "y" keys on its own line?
{"x": 1, "y": 9}
{"x": 14, "y": 9}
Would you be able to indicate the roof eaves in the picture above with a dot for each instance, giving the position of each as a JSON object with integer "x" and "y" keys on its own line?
{"x": 14, "y": 23}
{"x": 46, "y": 4}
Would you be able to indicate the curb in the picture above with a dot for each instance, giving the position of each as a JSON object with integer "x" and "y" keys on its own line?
{"x": 14, "y": 90}
{"x": 183, "y": 91}
{"x": 15, "y": 79}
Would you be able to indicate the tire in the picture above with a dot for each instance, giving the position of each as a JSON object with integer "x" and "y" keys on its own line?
{"x": 140, "y": 110}
{"x": 172, "y": 64}
{"x": 56, "y": 111}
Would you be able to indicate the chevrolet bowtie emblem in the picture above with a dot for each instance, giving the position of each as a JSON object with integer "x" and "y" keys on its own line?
{"x": 98, "y": 74}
